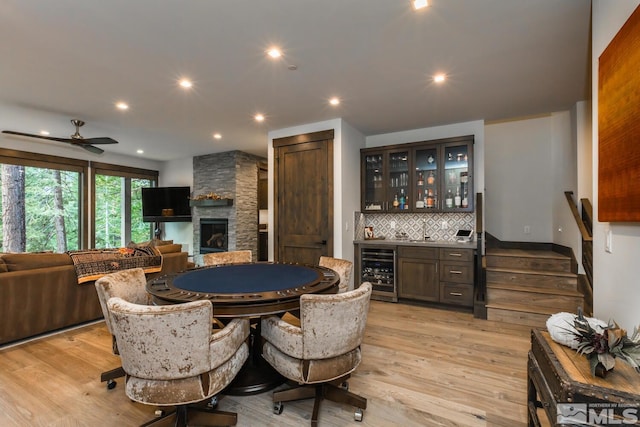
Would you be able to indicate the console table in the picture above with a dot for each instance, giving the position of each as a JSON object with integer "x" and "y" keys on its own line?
{"x": 561, "y": 387}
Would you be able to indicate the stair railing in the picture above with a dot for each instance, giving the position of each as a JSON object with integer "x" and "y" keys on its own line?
{"x": 584, "y": 221}
{"x": 480, "y": 288}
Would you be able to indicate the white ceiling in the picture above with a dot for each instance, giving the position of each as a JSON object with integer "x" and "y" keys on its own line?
{"x": 76, "y": 58}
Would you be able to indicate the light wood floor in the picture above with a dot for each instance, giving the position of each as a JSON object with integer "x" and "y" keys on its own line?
{"x": 421, "y": 367}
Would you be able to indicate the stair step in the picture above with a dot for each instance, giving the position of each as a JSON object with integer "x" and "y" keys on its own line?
{"x": 529, "y": 260}
{"x": 526, "y": 253}
{"x": 519, "y": 314}
{"x": 549, "y": 291}
{"x": 533, "y": 271}
{"x": 558, "y": 300}
{"x": 531, "y": 278}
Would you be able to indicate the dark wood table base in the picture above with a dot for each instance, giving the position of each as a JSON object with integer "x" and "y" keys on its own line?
{"x": 256, "y": 376}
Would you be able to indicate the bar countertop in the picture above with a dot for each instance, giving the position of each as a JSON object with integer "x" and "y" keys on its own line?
{"x": 416, "y": 242}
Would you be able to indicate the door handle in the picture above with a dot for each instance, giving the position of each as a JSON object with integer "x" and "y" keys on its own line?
{"x": 322, "y": 242}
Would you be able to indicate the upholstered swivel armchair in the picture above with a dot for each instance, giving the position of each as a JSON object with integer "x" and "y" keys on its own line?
{"x": 231, "y": 257}
{"x": 172, "y": 357}
{"x": 322, "y": 353}
{"x": 130, "y": 286}
{"x": 343, "y": 267}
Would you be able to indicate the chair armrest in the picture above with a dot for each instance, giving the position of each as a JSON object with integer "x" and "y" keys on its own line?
{"x": 225, "y": 342}
{"x": 283, "y": 335}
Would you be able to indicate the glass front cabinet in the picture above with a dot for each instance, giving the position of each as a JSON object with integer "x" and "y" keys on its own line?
{"x": 457, "y": 192}
{"x": 385, "y": 180}
{"x": 428, "y": 176}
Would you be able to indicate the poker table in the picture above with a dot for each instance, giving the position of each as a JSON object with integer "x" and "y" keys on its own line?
{"x": 247, "y": 290}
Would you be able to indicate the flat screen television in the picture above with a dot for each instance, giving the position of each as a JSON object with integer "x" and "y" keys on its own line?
{"x": 166, "y": 204}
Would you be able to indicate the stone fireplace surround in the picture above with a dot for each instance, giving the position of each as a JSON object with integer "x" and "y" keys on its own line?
{"x": 230, "y": 175}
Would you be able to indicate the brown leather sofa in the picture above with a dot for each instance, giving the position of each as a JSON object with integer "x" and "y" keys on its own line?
{"x": 39, "y": 292}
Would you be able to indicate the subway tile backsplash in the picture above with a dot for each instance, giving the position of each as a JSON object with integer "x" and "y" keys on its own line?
{"x": 412, "y": 224}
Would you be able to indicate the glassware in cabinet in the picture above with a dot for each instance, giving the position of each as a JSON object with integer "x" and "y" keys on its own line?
{"x": 426, "y": 178}
{"x": 374, "y": 186}
{"x": 456, "y": 177}
{"x": 398, "y": 195}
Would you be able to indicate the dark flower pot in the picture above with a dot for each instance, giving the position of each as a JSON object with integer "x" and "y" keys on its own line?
{"x": 601, "y": 371}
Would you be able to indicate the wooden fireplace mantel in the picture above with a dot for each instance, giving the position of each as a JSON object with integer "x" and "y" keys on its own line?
{"x": 211, "y": 203}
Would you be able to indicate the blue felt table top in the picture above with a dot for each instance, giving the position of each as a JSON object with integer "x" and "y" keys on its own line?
{"x": 243, "y": 278}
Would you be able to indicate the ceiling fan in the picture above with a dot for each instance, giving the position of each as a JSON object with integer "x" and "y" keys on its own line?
{"x": 75, "y": 139}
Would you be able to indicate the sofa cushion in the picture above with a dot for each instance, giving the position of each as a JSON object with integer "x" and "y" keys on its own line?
{"x": 29, "y": 261}
{"x": 167, "y": 249}
{"x": 152, "y": 242}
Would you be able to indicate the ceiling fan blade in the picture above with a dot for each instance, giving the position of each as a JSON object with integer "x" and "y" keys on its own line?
{"x": 76, "y": 138}
{"x": 101, "y": 140}
{"x": 91, "y": 148}
{"x": 32, "y": 135}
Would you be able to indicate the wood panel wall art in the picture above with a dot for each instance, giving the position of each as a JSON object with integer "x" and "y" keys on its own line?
{"x": 619, "y": 126}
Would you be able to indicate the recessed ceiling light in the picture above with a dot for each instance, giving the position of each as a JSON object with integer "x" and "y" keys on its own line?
{"x": 419, "y": 4}
{"x": 217, "y": 136}
{"x": 274, "y": 52}
{"x": 140, "y": 151}
{"x": 439, "y": 78}
{"x": 44, "y": 132}
{"x": 334, "y": 101}
{"x": 259, "y": 117}
{"x": 186, "y": 83}
{"x": 122, "y": 106}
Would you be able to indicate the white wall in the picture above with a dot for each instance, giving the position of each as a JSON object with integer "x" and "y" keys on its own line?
{"x": 564, "y": 154}
{"x": 616, "y": 294}
{"x": 347, "y": 142}
{"x": 584, "y": 150}
{"x": 349, "y": 193}
{"x": 518, "y": 180}
{"x": 530, "y": 163}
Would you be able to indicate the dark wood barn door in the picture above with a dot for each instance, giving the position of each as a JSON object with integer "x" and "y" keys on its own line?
{"x": 303, "y": 187}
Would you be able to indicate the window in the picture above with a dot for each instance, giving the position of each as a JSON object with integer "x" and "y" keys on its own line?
{"x": 45, "y": 207}
{"x": 42, "y": 202}
{"x": 117, "y": 204}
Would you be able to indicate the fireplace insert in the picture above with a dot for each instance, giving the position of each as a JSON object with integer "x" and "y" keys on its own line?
{"x": 213, "y": 235}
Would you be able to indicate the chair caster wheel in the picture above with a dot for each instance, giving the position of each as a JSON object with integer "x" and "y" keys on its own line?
{"x": 277, "y": 408}
{"x": 213, "y": 403}
{"x": 111, "y": 384}
{"x": 345, "y": 385}
{"x": 358, "y": 415}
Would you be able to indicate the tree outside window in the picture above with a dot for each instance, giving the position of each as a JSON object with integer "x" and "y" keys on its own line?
{"x": 41, "y": 206}
{"x": 45, "y": 206}
{"x": 117, "y": 205}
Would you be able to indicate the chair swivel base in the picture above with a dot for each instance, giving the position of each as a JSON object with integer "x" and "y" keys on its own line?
{"x": 213, "y": 417}
{"x": 110, "y": 376}
{"x": 336, "y": 391}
